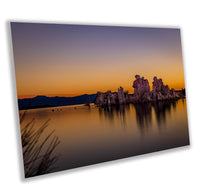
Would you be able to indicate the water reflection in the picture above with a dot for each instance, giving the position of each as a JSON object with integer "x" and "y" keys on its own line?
{"x": 143, "y": 112}
{"x": 143, "y": 115}
{"x": 119, "y": 111}
{"x": 162, "y": 109}
{"x": 90, "y": 135}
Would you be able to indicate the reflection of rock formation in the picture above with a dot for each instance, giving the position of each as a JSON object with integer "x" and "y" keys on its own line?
{"x": 142, "y": 93}
{"x": 143, "y": 111}
{"x": 110, "y": 112}
{"x": 143, "y": 115}
{"x": 161, "y": 108}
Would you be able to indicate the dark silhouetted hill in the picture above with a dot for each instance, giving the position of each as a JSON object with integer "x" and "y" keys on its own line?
{"x": 44, "y": 101}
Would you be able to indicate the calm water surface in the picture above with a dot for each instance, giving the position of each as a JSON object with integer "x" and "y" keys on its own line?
{"x": 91, "y": 135}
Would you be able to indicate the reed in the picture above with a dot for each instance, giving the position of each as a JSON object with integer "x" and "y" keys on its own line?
{"x": 38, "y": 152}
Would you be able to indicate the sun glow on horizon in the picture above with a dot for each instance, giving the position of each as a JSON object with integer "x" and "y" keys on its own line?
{"x": 72, "y": 60}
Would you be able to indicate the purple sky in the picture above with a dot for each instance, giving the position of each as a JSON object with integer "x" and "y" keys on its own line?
{"x": 45, "y": 50}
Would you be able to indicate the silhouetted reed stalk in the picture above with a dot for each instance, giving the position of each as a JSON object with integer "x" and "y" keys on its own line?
{"x": 37, "y": 154}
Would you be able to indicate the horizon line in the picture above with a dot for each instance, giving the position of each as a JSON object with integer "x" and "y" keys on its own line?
{"x": 20, "y": 97}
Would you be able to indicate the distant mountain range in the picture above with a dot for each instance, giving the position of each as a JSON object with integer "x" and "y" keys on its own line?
{"x": 44, "y": 101}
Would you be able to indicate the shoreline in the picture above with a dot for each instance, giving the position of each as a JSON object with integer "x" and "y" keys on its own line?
{"x": 105, "y": 105}
{"x": 54, "y": 107}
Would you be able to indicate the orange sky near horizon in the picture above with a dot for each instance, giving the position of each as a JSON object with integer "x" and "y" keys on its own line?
{"x": 50, "y": 66}
{"x": 90, "y": 82}
{"x": 99, "y": 78}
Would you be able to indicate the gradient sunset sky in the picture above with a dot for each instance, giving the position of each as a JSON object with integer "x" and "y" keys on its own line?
{"x": 70, "y": 60}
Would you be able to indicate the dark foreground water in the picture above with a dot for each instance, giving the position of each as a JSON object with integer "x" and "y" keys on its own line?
{"x": 91, "y": 135}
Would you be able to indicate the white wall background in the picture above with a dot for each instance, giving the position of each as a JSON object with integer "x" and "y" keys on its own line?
{"x": 173, "y": 171}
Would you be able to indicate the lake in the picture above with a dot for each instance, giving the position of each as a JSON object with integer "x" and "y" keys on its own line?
{"x": 90, "y": 135}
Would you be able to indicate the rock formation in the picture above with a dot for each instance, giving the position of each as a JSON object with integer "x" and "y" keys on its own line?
{"x": 140, "y": 85}
{"x": 121, "y": 96}
{"x": 142, "y": 93}
{"x": 100, "y": 99}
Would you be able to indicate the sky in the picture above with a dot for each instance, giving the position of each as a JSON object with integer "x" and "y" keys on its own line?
{"x": 71, "y": 60}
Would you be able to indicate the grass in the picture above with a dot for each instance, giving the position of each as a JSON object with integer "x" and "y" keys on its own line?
{"x": 37, "y": 152}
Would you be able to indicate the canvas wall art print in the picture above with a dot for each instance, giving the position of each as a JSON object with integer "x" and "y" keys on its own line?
{"x": 89, "y": 94}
